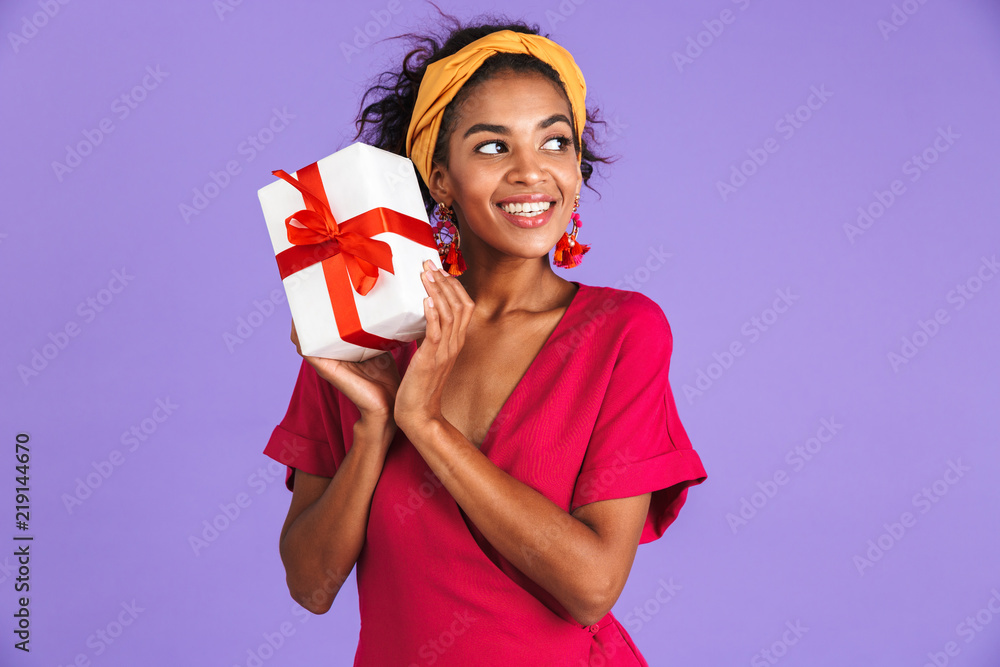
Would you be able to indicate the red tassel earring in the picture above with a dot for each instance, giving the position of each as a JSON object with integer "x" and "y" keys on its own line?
{"x": 448, "y": 240}
{"x": 569, "y": 252}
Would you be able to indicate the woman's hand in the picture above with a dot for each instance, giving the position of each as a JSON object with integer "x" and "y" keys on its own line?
{"x": 448, "y": 310}
{"x": 370, "y": 384}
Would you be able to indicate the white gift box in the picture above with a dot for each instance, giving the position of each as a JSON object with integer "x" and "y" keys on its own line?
{"x": 356, "y": 180}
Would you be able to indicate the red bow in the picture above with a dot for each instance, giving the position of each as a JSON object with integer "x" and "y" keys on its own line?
{"x": 324, "y": 238}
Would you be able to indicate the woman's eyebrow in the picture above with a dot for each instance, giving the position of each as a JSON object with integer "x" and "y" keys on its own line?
{"x": 503, "y": 129}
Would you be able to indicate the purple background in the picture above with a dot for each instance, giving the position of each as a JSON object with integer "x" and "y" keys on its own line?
{"x": 680, "y": 131}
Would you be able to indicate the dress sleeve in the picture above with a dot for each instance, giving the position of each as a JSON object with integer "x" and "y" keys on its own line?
{"x": 638, "y": 444}
{"x": 311, "y": 436}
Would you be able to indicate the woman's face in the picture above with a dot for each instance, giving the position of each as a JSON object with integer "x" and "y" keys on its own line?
{"x": 512, "y": 144}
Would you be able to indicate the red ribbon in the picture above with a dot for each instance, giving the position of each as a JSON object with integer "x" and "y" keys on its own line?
{"x": 345, "y": 249}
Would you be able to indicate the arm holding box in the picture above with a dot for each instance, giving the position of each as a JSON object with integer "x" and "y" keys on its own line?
{"x": 328, "y": 518}
{"x": 324, "y": 531}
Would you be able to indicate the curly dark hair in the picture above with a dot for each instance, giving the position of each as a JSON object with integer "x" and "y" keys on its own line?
{"x": 384, "y": 122}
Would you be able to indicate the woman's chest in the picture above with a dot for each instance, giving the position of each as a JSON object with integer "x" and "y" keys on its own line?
{"x": 486, "y": 374}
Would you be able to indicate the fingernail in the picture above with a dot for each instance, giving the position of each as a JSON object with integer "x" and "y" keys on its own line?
{"x": 430, "y": 302}
{"x": 430, "y": 275}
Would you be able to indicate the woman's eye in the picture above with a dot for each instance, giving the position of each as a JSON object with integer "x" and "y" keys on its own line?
{"x": 498, "y": 146}
{"x": 563, "y": 142}
{"x": 487, "y": 144}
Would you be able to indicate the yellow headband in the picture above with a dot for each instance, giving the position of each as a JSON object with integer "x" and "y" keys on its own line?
{"x": 444, "y": 78}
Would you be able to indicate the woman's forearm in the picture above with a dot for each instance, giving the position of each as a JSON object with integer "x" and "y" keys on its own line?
{"x": 321, "y": 546}
{"x": 559, "y": 552}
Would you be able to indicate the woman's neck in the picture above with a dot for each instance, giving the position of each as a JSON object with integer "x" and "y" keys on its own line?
{"x": 515, "y": 286}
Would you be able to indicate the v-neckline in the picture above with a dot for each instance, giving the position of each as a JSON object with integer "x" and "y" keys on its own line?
{"x": 496, "y": 424}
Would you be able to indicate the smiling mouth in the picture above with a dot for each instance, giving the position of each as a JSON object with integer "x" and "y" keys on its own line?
{"x": 526, "y": 210}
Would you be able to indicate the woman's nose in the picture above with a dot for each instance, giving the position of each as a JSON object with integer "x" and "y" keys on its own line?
{"x": 525, "y": 167}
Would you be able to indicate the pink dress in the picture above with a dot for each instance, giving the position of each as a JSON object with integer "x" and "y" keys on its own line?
{"x": 592, "y": 418}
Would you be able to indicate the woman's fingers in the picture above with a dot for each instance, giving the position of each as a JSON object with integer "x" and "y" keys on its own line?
{"x": 460, "y": 307}
{"x": 433, "y": 333}
{"x": 464, "y": 306}
{"x": 443, "y": 303}
{"x": 431, "y": 304}
{"x": 449, "y": 306}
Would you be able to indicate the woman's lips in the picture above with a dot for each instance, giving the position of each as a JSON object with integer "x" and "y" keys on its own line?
{"x": 528, "y": 222}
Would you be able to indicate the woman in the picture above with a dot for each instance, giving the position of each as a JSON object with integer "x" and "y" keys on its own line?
{"x": 492, "y": 483}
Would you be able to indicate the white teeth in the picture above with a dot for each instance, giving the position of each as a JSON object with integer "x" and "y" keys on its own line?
{"x": 527, "y": 209}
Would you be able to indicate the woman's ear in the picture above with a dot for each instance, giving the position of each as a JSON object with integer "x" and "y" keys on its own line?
{"x": 438, "y": 183}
